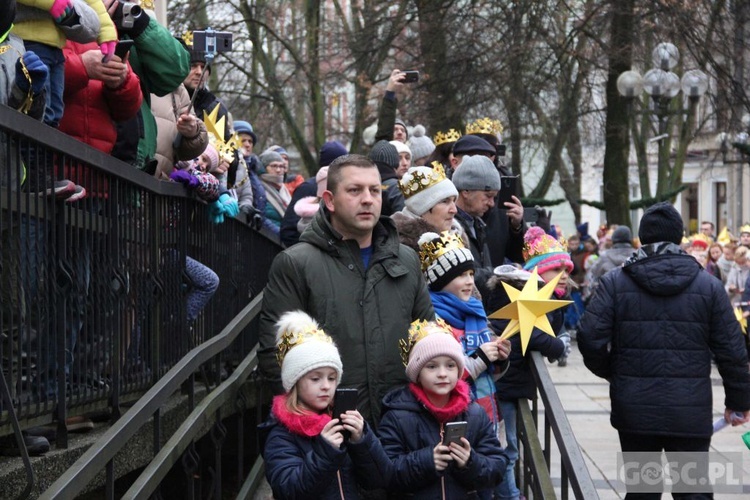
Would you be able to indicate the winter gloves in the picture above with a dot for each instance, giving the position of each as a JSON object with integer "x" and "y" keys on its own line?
{"x": 60, "y": 10}
{"x": 224, "y": 205}
{"x": 184, "y": 177}
{"x": 35, "y": 76}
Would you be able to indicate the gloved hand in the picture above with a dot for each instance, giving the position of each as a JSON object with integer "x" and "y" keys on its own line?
{"x": 184, "y": 177}
{"x": 231, "y": 208}
{"x": 216, "y": 212}
{"x": 140, "y": 23}
{"x": 565, "y": 338}
{"x": 254, "y": 219}
{"x": 60, "y": 10}
{"x": 38, "y": 72}
{"x": 108, "y": 50}
{"x": 543, "y": 218}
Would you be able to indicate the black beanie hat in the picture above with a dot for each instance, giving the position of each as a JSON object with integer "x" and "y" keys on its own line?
{"x": 385, "y": 153}
{"x": 661, "y": 222}
{"x": 7, "y": 15}
{"x": 473, "y": 145}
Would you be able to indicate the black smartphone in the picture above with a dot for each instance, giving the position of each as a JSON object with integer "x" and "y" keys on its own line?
{"x": 410, "y": 77}
{"x": 508, "y": 188}
{"x": 453, "y": 432}
{"x": 343, "y": 401}
{"x": 123, "y": 47}
{"x": 530, "y": 215}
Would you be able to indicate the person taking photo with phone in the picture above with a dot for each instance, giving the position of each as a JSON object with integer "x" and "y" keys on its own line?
{"x": 416, "y": 418}
{"x": 306, "y": 451}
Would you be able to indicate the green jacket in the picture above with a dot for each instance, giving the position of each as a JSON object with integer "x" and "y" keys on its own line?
{"x": 162, "y": 63}
{"x": 365, "y": 311}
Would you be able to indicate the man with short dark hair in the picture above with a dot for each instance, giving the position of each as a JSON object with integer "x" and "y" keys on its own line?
{"x": 651, "y": 329}
{"x": 707, "y": 228}
{"x": 352, "y": 275}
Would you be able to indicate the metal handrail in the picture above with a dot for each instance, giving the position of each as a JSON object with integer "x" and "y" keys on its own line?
{"x": 101, "y": 453}
{"x": 169, "y": 455}
{"x": 574, "y": 468}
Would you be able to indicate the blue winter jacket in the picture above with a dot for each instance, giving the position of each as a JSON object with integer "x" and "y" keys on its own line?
{"x": 409, "y": 432}
{"x": 650, "y": 329}
{"x": 299, "y": 467}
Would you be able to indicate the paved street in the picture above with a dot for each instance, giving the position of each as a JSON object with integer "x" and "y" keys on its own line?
{"x": 585, "y": 398}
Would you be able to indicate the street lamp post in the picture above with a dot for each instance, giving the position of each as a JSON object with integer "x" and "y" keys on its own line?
{"x": 663, "y": 85}
{"x": 741, "y": 143}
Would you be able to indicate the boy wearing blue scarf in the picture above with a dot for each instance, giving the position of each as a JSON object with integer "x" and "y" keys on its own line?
{"x": 449, "y": 269}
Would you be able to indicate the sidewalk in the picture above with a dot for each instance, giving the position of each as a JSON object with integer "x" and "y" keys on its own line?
{"x": 585, "y": 398}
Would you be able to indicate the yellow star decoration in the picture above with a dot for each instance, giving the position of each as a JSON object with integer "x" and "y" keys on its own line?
{"x": 528, "y": 309}
{"x": 741, "y": 319}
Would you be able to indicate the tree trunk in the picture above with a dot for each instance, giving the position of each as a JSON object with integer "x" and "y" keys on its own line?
{"x": 617, "y": 147}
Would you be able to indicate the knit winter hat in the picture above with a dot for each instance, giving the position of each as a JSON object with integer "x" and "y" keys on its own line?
{"x": 7, "y": 14}
{"x": 661, "y": 222}
{"x": 427, "y": 341}
{"x": 302, "y": 347}
{"x": 268, "y": 157}
{"x": 330, "y": 151}
{"x": 213, "y": 156}
{"x": 444, "y": 257}
{"x": 385, "y": 154}
{"x": 476, "y": 173}
{"x": 472, "y": 145}
{"x": 243, "y": 127}
{"x": 321, "y": 178}
{"x": 400, "y": 147}
{"x": 622, "y": 234}
{"x": 543, "y": 252}
{"x": 425, "y": 187}
{"x": 399, "y": 121}
{"x": 420, "y": 144}
{"x": 279, "y": 149}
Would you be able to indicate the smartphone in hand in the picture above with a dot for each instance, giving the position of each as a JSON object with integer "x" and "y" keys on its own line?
{"x": 123, "y": 47}
{"x": 343, "y": 401}
{"x": 453, "y": 432}
{"x": 410, "y": 77}
{"x": 508, "y": 188}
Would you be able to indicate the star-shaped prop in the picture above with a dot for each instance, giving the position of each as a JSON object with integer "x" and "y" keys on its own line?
{"x": 528, "y": 309}
{"x": 741, "y": 319}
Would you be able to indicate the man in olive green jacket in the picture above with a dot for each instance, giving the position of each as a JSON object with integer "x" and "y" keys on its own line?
{"x": 350, "y": 273}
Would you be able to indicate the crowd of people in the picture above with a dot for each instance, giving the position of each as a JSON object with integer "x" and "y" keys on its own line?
{"x": 394, "y": 262}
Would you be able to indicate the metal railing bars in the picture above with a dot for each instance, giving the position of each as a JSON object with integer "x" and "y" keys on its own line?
{"x": 574, "y": 469}
{"x": 170, "y": 454}
{"x": 83, "y": 471}
{"x": 535, "y": 477}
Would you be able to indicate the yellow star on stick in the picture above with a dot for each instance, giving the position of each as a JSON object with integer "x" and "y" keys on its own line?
{"x": 528, "y": 309}
{"x": 741, "y": 319}
{"x": 215, "y": 127}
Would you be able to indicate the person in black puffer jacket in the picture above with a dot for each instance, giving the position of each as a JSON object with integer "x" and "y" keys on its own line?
{"x": 651, "y": 329}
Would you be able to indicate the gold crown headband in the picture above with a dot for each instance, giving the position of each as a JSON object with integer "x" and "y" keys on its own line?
{"x": 216, "y": 128}
{"x": 417, "y": 331}
{"x": 432, "y": 250}
{"x": 485, "y": 126}
{"x": 290, "y": 339}
{"x": 451, "y": 136}
{"x": 420, "y": 182}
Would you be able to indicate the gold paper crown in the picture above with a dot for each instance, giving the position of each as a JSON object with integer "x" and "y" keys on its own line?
{"x": 148, "y": 4}
{"x": 216, "y": 130}
{"x": 290, "y": 339}
{"x": 432, "y": 250}
{"x": 451, "y": 136}
{"x": 485, "y": 126}
{"x": 420, "y": 182}
{"x": 745, "y": 229}
{"x": 187, "y": 37}
{"x": 418, "y": 330}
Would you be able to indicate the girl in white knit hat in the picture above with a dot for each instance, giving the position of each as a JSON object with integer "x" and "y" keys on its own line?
{"x": 415, "y": 419}
{"x": 305, "y": 450}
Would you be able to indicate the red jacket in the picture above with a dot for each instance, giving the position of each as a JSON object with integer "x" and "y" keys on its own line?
{"x": 91, "y": 109}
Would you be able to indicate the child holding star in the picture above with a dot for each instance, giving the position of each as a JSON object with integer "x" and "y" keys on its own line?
{"x": 548, "y": 257}
{"x": 449, "y": 270}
